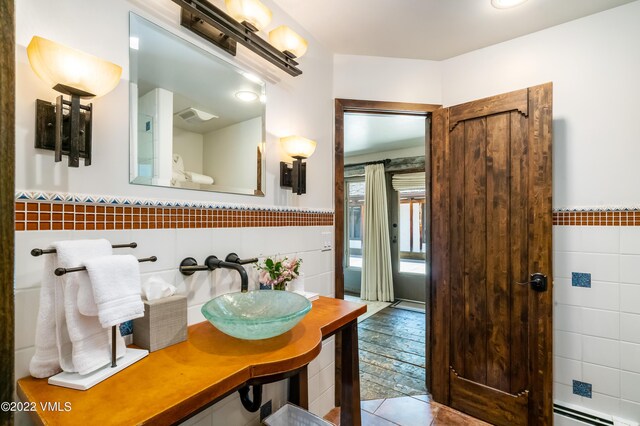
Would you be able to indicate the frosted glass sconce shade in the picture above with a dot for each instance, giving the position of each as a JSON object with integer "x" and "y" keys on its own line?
{"x": 70, "y": 71}
{"x": 298, "y": 147}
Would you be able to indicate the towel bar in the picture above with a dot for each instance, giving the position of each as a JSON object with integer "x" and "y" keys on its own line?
{"x": 61, "y": 271}
{"x": 40, "y": 252}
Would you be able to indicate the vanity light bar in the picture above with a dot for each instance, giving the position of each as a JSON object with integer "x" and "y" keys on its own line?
{"x": 200, "y": 15}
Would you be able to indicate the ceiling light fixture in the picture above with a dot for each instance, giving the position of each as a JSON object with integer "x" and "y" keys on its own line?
{"x": 506, "y": 4}
{"x": 241, "y": 25}
{"x": 246, "y": 96}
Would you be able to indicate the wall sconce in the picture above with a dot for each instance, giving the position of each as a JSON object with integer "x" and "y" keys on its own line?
{"x": 65, "y": 127}
{"x": 294, "y": 175}
{"x": 245, "y": 19}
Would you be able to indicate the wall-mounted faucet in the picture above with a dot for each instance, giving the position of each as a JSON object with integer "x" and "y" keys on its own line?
{"x": 189, "y": 266}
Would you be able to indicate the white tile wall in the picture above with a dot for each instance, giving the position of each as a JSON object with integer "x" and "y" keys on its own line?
{"x": 597, "y": 329}
{"x": 171, "y": 246}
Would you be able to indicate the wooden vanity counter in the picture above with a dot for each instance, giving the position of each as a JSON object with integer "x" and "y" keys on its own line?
{"x": 173, "y": 383}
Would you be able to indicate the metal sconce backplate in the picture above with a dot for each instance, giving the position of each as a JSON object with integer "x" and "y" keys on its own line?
{"x": 47, "y": 116}
{"x": 294, "y": 176}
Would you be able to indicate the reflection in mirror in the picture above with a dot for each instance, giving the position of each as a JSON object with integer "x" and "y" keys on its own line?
{"x": 197, "y": 122}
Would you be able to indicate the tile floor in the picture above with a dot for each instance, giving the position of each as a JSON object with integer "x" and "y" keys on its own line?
{"x": 407, "y": 411}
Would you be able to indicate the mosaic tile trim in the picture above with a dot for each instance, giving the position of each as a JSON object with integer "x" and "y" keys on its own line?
{"x": 148, "y": 202}
{"x": 581, "y": 279}
{"x": 597, "y": 218}
{"x": 45, "y": 216}
{"x": 582, "y": 388}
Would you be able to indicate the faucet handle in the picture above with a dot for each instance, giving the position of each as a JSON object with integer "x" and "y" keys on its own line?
{"x": 233, "y": 258}
{"x": 212, "y": 262}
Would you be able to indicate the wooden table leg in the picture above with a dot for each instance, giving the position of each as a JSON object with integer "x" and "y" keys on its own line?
{"x": 350, "y": 394}
{"x": 299, "y": 389}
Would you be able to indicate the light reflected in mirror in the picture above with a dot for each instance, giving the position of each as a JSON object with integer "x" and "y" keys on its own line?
{"x": 197, "y": 122}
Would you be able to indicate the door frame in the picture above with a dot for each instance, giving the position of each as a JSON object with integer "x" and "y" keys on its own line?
{"x": 7, "y": 194}
{"x": 343, "y": 106}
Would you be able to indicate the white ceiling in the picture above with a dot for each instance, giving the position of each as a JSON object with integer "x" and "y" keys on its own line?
{"x": 367, "y": 133}
{"x": 429, "y": 29}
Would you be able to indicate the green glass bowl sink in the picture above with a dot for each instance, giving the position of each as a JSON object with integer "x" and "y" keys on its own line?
{"x": 256, "y": 315}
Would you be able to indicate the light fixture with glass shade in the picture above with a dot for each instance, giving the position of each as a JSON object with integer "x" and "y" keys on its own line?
{"x": 65, "y": 127}
{"x": 251, "y": 13}
{"x": 294, "y": 175}
{"x": 240, "y": 25}
{"x": 286, "y": 40}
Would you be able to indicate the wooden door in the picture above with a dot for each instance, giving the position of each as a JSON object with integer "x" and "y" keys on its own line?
{"x": 491, "y": 228}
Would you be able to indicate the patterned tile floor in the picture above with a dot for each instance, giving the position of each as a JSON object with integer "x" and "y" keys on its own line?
{"x": 407, "y": 411}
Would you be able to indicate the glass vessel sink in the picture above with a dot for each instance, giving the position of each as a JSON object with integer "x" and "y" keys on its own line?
{"x": 256, "y": 314}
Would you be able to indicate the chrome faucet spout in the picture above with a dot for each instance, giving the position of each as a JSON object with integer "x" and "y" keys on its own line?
{"x": 213, "y": 262}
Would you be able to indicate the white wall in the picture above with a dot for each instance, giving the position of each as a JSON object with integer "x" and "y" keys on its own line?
{"x": 387, "y": 79}
{"x": 223, "y": 147}
{"x": 301, "y": 105}
{"x": 189, "y": 146}
{"x": 594, "y": 65}
{"x": 597, "y": 329}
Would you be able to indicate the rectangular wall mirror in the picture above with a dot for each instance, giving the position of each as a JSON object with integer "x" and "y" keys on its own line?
{"x": 197, "y": 122}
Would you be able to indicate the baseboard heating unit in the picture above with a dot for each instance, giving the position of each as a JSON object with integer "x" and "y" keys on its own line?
{"x": 569, "y": 414}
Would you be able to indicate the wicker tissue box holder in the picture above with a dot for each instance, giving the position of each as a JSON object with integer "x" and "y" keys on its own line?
{"x": 164, "y": 323}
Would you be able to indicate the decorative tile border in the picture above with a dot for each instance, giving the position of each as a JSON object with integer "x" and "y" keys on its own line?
{"x": 44, "y": 216}
{"x": 44, "y": 212}
{"x": 623, "y": 217}
{"x": 146, "y": 202}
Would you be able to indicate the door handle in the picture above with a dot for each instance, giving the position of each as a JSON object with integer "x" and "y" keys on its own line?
{"x": 538, "y": 282}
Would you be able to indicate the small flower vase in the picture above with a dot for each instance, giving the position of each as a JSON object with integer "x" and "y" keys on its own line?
{"x": 281, "y": 286}
{"x": 265, "y": 286}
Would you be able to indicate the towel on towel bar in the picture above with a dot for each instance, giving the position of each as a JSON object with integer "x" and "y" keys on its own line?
{"x": 46, "y": 361}
{"x": 81, "y": 344}
{"x": 116, "y": 288}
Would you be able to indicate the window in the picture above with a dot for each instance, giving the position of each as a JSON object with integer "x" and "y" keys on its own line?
{"x": 355, "y": 222}
{"x": 412, "y": 236}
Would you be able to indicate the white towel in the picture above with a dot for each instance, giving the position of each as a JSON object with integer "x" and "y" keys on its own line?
{"x": 73, "y": 254}
{"x": 45, "y": 361}
{"x": 116, "y": 288}
{"x": 198, "y": 178}
{"x": 66, "y": 339}
{"x": 81, "y": 335}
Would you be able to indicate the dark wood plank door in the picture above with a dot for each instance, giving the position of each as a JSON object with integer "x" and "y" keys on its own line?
{"x": 491, "y": 228}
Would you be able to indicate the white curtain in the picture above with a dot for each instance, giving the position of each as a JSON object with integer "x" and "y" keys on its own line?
{"x": 408, "y": 181}
{"x": 377, "y": 279}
